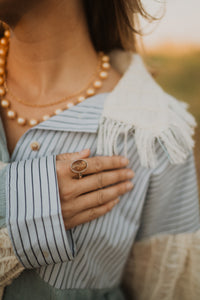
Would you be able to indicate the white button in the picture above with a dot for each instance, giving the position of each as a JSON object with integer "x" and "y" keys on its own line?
{"x": 35, "y": 146}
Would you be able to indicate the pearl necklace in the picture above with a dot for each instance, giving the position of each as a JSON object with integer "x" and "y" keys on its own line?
{"x": 101, "y": 74}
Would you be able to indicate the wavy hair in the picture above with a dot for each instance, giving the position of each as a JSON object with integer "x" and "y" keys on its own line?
{"x": 112, "y": 23}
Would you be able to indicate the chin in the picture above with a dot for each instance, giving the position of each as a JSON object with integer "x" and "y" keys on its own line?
{"x": 11, "y": 11}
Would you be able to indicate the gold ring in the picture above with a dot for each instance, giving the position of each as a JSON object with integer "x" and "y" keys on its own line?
{"x": 79, "y": 166}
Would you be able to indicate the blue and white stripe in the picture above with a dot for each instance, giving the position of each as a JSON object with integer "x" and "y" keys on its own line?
{"x": 92, "y": 255}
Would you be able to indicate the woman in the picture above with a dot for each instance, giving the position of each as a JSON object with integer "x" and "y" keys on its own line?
{"x": 64, "y": 236}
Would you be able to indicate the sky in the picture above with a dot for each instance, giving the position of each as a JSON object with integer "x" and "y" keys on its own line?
{"x": 180, "y": 23}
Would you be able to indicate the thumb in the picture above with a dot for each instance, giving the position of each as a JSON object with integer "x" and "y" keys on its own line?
{"x": 73, "y": 156}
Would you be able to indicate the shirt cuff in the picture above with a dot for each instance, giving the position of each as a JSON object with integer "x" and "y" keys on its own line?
{"x": 2, "y": 194}
{"x": 34, "y": 217}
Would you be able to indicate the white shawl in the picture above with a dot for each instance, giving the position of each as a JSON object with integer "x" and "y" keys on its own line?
{"x": 138, "y": 104}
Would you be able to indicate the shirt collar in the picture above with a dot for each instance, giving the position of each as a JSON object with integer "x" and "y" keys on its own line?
{"x": 83, "y": 117}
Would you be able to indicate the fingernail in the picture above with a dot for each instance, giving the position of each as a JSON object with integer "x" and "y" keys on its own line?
{"x": 83, "y": 151}
{"x": 116, "y": 201}
{"x": 130, "y": 174}
{"x": 124, "y": 161}
{"x": 129, "y": 185}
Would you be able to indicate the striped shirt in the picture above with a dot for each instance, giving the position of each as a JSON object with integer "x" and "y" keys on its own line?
{"x": 92, "y": 255}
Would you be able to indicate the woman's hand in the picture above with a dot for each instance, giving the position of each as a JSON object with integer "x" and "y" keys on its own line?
{"x": 88, "y": 198}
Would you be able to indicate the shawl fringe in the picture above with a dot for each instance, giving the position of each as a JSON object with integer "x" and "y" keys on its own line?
{"x": 176, "y": 140}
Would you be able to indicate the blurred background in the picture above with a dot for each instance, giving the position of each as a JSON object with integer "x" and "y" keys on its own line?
{"x": 171, "y": 48}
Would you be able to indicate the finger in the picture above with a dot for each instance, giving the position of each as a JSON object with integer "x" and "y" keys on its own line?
{"x": 95, "y": 199}
{"x": 100, "y": 180}
{"x": 102, "y": 163}
{"x": 89, "y": 215}
{"x": 73, "y": 156}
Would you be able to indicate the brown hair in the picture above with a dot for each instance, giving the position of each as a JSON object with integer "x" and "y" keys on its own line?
{"x": 112, "y": 23}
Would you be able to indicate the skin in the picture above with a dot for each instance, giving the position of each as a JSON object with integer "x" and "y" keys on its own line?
{"x": 51, "y": 39}
{"x": 83, "y": 200}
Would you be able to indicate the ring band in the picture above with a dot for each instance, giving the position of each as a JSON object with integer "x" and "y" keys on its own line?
{"x": 79, "y": 166}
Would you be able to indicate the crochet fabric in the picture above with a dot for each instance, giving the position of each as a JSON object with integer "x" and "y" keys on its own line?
{"x": 164, "y": 267}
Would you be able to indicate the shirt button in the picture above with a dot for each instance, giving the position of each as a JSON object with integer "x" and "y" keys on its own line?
{"x": 35, "y": 146}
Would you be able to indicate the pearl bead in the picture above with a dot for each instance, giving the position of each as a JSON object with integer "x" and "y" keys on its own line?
{"x": 21, "y": 121}
{"x": 1, "y": 80}
{"x": 11, "y": 114}
{"x": 70, "y": 104}
{"x": 5, "y": 103}
{"x": 81, "y": 98}
{"x": 105, "y": 58}
{"x": 7, "y": 33}
{"x": 2, "y": 91}
{"x": 106, "y": 65}
{"x": 2, "y": 52}
{"x": 4, "y": 41}
{"x": 58, "y": 111}
{"x": 90, "y": 92}
{"x": 97, "y": 84}
{"x": 33, "y": 122}
{"x": 2, "y": 61}
{"x": 45, "y": 117}
{"x": 2, "y": 71}
{"x": 103, "y": 74}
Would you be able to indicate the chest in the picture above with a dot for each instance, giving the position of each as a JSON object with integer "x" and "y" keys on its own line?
{"x": 13, "y": 131}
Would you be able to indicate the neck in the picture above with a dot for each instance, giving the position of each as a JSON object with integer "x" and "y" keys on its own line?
{"x": 50, "y": 51}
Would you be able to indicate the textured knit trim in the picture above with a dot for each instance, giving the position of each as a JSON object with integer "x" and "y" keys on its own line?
{"x": 138, "y": 105}
{"x": 164, "y": 267}
{"x": 10, "y": 267}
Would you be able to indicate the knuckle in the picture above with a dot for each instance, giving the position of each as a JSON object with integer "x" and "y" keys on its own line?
{"x": 100, "y": 180}
{"x": 98, "y": 164}
{"x": 100, "y": 198}
{"x": 69, "y": 191}
{"x": 58, "y": 157}
{"x": 68, "y": 225}
{"x": 118, "y": 176}
{"x": 69, "y": 211}
{"x": 63, "y": 156}
{"x": 124, "y": 187}
{"x": 92, "y": 214}
{"x": 115, "y": 161}
{"x": 118, "y": 189}
{"x": 63, "y": 168}
{"x": 66, "y": 156}
{"x": 124, "y": 174}
{"x": 68, "y": 169}
{"x": 108, "y": 207}
{"x": 59, "y": 167}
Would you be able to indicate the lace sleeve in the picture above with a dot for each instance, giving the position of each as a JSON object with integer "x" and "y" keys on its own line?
{"x": 164, "y": 267}
{"x": 10, "y": 267}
